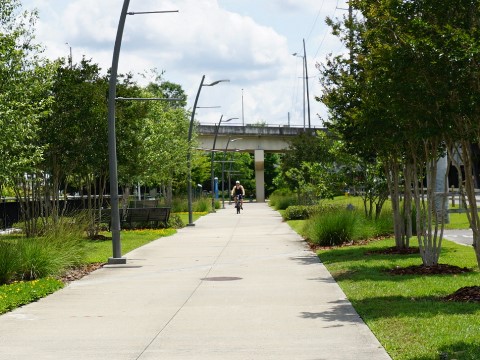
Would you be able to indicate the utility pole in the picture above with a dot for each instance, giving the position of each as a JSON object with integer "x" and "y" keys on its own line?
{"x": 306, "y": 81}
{"x": 243, "y": 117}
{"x": 350, "y": 20}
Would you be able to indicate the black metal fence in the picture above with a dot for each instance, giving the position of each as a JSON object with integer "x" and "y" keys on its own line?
{"x": 10, "y": 211}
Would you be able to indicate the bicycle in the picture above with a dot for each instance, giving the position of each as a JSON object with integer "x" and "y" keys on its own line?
{"x": 238, "y": 203}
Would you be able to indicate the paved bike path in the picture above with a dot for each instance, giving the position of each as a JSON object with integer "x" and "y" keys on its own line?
{"x": 231, "y": 287}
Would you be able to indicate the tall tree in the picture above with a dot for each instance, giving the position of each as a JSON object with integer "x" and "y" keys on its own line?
{"x": 397, "y": 95}
{"x": 165, "y": 138}
{"x": 75, "y": 135}
{"x": 24, "y": 101}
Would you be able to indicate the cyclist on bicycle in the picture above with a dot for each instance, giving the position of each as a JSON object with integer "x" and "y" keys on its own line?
{"x": 239, "y": 191}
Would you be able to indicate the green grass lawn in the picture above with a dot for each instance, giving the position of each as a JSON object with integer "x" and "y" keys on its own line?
{"x": 406, "y": 312}
{"x": 457, "y": 220}
{"x": 195, "y": 216}
{"x": 100, "y": 251}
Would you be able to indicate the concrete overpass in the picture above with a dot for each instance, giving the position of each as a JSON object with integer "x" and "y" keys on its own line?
{"x": 253, "y": 139}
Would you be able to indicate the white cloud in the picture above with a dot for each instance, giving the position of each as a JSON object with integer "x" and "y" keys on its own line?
{"x": 250, "y": 46}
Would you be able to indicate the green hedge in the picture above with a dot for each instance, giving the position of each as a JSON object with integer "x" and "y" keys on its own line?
{"x": 303, "y": 212}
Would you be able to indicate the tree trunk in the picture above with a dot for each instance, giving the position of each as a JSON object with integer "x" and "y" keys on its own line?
{"x": 392, "y": 172}
{"x": 428, "y": 220}
{"x": 169, "y": 193}
{"x": 468, "y": 193}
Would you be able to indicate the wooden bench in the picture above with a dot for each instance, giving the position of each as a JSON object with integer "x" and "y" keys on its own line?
{"x": 153, "y": 216}
{"x": 131, "y": 216}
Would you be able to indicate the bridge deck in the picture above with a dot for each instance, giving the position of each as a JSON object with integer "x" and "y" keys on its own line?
{"x": 253, "y": 130}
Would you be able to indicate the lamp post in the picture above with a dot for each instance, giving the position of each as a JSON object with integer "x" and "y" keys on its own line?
{"x": 189, "y": 150}
{"x": 70, "y": 58}
{"x": 243, "y": 115}
{"x": 223, "y": 169}
{"x": 112, "y": 146}
{"x": 305, "y": 85}
{"x": 217, "y": 127}
{"x": 230, "y": 173}
{"x": 306, "y": 82}
{"x": 303, "y": 88}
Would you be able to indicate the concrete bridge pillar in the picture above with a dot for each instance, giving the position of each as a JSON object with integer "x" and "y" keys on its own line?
{"x": 260, "y": 175}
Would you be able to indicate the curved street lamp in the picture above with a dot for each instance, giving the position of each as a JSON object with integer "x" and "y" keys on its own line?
{"x": 305, "y": 85}
{"x": 223, "y": 169}
{"x": 189, "y": 150}
{"x": 217, "y": 127}
{"x": 112, "y": 145}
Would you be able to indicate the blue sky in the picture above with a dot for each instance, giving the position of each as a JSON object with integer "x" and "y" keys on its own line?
{"x": 249, "y": 42}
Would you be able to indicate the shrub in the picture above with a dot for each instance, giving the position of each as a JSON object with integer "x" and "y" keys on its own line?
{"x": 202, "y": 205}
{"x": 37, "y": 258}
{"x": 175, "y": 222}
{"x": 179, "y": 205}
{"x": 331, "y": 228}
{"x": 62, "y": 247}
{"x": 281, "y": 202}
{"x": 295, "y": 212}
{"x": 303, "y": 212}
{"x": 276, "y": 195}
{"x": 384, "y": 224}
{"x": 8, "y": 262}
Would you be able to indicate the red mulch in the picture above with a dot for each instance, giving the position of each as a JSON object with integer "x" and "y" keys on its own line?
{"x": 429, "y": 270}
{"x": 79, "y": 272}
{"x": 465, "y": 294}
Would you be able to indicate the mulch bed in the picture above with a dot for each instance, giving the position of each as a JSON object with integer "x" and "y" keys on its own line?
{"x": 439, "y": 269}
{"x": 79, "y": 272}
{"x": 465, "y": 294}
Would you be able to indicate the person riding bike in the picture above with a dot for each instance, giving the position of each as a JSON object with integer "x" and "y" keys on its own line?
{"x": 239, "y": 191}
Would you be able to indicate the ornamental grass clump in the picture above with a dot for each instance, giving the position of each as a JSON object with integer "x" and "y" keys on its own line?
{"x": 51, "y": 254}
{"x": 61, "y": 247}
{"x": 8, "y": 261}
{"x": 202, "y": 205}
{"x": 304, "y": 212}
{"x": 281, "y": 199}
{"x": 331, "y": 228}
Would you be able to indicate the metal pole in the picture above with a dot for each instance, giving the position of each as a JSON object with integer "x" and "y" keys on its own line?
{"x": 229, "y": 178}
{"x": 112, "y": 146}
{"x": 306, "y": 80}
{"x": 223, "y": 169}
{"x": 189, "y": 156}
{"x": 303, "y": 92}
{"x": 211, "y": 164}
{"x": 243, "y": 118}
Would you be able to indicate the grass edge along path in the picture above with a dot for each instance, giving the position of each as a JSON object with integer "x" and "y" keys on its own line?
{"x": 22, "y": 293}
{"x": 406, "y": 312}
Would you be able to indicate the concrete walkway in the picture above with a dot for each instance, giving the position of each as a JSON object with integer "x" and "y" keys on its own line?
{"x": 232, "y": 287}
{"x": 462, "y": 237}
